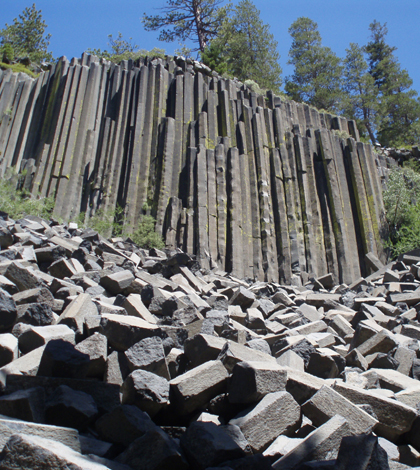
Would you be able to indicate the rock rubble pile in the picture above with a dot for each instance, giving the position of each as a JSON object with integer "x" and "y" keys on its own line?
{"x": 117, "y": 357}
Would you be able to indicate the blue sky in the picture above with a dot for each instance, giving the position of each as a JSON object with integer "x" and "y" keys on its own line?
{"x": 77, "y": 25}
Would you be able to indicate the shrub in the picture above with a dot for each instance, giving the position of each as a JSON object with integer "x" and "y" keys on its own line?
{"x": 20, "y": 203}
{"x": 145, "y": 235}
{"x": 128, "y": 54}
{"x": 253, "y": 86}
{"x": 110, "y": 223}
{"x": 17, "y": 68}
{"x": 403, "y": 210}
{"x": 8, "y": 53}
{"x": 341, "y": 134}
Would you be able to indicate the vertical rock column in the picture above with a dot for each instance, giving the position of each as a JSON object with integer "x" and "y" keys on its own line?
{"x": 248, "y": 150}
{"x": 159, "y": 112}
{"x": 134, "y": 197}
{"x": 190, "y": 213}
{"x": 69, "y": 192}
{"x": 224, "y": 107}
{"x": 318, "y": 258}
{"x": 212, "y": 204}
{"x": 293, "y": 210}
{"x": 343, "y": 248}
{"x": 234, "y": 263}
{"x": 116, "y": 156}
{"x": 179, "y": 144}
{"x": 12, "y": 94}
{"x": 221, "y": 198}
{"x": 51, "y": 128}
{"x": 373, "y": 190}
{"x": 279, "y": 200}
{"x": 35, "y": 111}
{"x": 145, "y": 141}
{"x": 344, "y": 181}
{"x": 96, "y": 95}
{"x": 63, "y": 158}
{"x": 201, "y": 207}
{"x": 246, "y": 224}
{"x": 8, "y": 89}
{"x": 269, "y": 252}
{"x": 164, "y": 171}
{"x": 18, "y": 124}
{"x": 362, "y": 205}
{"x": 312, "y": 253}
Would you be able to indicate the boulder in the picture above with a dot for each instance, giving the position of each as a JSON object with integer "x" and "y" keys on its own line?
{"x": 195, "y": 388}
{"x": 251, "y": 381}
{"x": 277, "y": 413}
{"x": 30, "y": 452}
{"x": 146, "y": 390}
{"x": 206, "y": 445}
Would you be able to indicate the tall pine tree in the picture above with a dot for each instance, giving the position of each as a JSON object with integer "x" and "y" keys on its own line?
{"x": 195, "y": 20}
{"x": 247, "y": 47}
{"x": 317, "y": 76}
{"x": 399, "y": 116}
{"x": 362, "y": 95}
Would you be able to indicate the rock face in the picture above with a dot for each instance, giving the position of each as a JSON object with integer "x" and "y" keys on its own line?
{"x": 235, "y": 374}
{"x": 263, "y": 188}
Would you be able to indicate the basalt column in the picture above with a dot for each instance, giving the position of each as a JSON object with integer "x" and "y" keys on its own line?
{"x": 261, "y": 187}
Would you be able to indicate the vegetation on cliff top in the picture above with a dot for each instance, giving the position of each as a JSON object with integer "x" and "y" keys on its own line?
{"x": 24, "y": 43}
{"x": 367, "y": 85}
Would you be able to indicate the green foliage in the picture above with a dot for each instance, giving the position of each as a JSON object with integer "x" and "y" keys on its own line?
{"x": 213, "y": 56}
{"x": 145, "y": 235}
{"x": 105, "y": 223}
{"x": 19, "y": 203}
{"x": 27, "y": 36}
{"x": 362, "y": 95}
{"x": 253, "y": 86}
{"x": 119, "y": 47}
{"x": 317, "y": 75}
{"x": 380, "y": 54}
{"x": 402, "y": 207}
{"x": 341, "y": 134}
{"x": 111, "y": 223}
{"x": 8, "y": 53}
{"x": 247, "y": 47}
{"x": 124, "y": 50}
{"x": 183, "y": 50}
{"x": 412, "y": 164}
{"x": 399, "y": 112}
{"x": 196, "y": 20}
{"x": 18, "y": 68}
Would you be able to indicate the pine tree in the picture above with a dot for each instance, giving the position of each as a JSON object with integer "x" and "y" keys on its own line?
{"x": 317, "y": 75}
{"x": 213, "y": 56}
{"x": 400, "y": 108}
{"x": 249, "y": 49}
{"x": 362, "y": 99}
{"x": 27, "y": 36}
{"x": 195, "y": 20}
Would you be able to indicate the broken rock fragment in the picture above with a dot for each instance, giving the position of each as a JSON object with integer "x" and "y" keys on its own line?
{"x": 251, "y": 381}
{"x": 277, "y": 413}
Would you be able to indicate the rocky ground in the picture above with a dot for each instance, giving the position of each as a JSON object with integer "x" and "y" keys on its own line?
{"x": 116, "y": 357}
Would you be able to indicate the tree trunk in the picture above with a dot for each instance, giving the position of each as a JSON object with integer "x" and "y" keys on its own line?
{"x": 369, "y": 129}
{"x": 200, "y": 33}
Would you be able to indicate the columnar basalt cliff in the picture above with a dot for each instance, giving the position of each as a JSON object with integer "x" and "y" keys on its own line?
{"x": 260, "y": 187}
